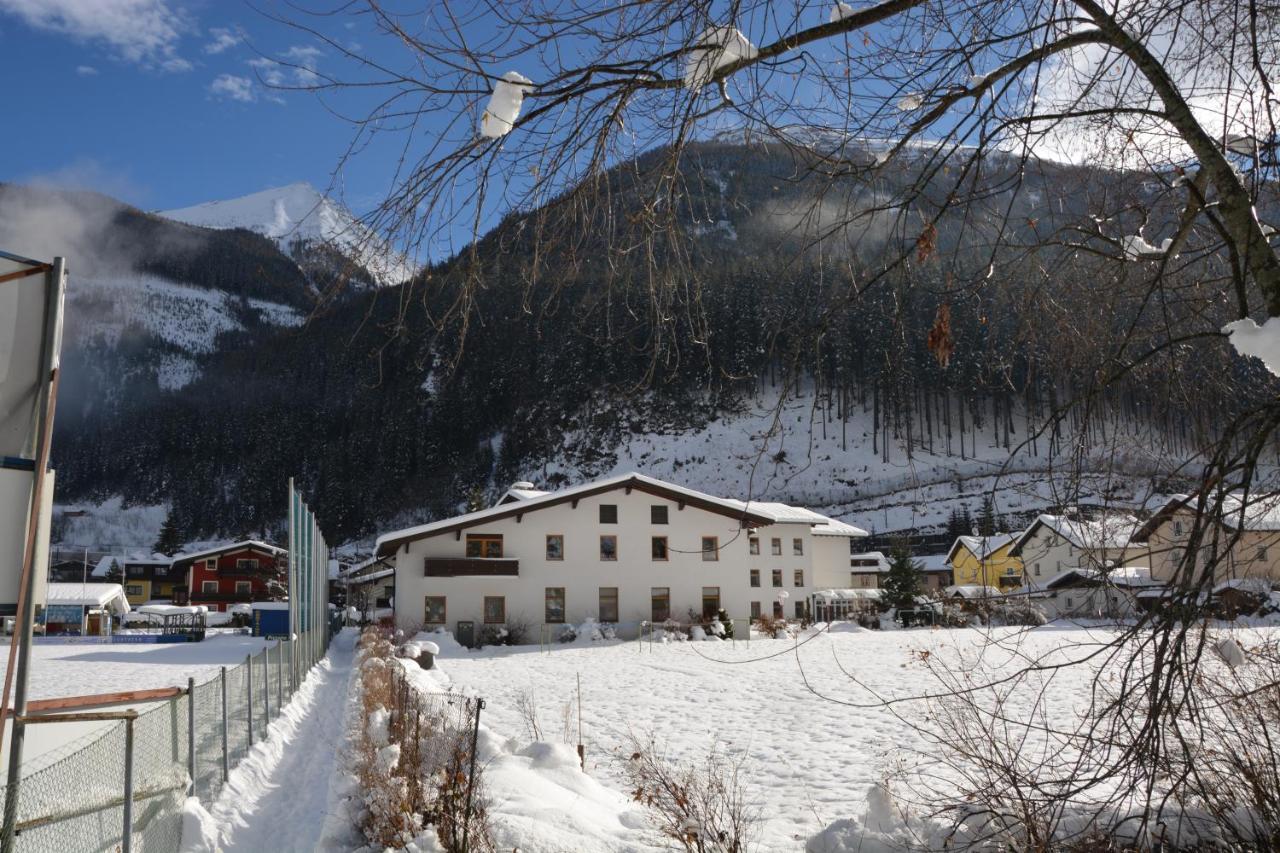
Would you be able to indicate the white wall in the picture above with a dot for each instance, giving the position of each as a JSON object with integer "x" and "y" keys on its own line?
{"x": 582, "y": 573}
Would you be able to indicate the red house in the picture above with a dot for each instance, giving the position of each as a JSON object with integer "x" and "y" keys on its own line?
{"x": 242, "y": 572}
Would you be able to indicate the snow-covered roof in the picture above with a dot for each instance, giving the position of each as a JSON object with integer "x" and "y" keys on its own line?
{"x": 1120, "y": 576}
{"x": 172, "y": 609}
{"x": 820, "y": 525}
{"x": 871, "y": 561}
{"x": 388, "y": 542}
{"x": 521, "y": 491}
{"x": 847, "y": 594}
{"x": 1109, "y": 532}
{"x": 981, "y": 546}
{"x": 90, "y": 594}
{"x": 103, "y": 568}
{"x": 233, "y": 546}
{"x": 372, "y": 576}
{"x": 833, "y": 527}
{"x": 1253, "y": 586}
{"x": 933, "y": 562}
{"x": 972, "y": 591}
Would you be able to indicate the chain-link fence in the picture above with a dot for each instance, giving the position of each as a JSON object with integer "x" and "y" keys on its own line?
{"x": 137, "y": 772}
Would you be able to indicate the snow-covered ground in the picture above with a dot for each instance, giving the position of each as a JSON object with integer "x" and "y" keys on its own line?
{"x": 807, "y": 762}
{"x": 81, "y": 669}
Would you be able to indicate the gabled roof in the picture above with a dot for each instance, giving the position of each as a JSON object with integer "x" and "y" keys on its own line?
{"x": 1259, "y": 511}
{"x": 389, "y": 543}
{"x": 819, "y": 524}
{"x": 1109, "y": 532}
{"x": 972, "y": 591}
{"x": 981, "y": 547}
{"x": 91, "y": 594}
{"x": 247, "y": 544}
{"x": 1126, "y": 577}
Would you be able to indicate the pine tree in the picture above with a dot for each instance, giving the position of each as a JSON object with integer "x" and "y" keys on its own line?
{"x": 904, "y": 581}
{"x": 170, "y": 541}
{"x": 987, "y": 518}
{"x": 475, "y": 499}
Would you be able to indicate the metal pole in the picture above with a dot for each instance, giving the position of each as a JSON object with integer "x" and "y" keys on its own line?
{"x": 248, "y": 661}
{"x": 266, "y": 690}
{"x": 279, "y": 677}
{"x": 46, "y": 405}
{"x": 475, "y": 737}
{"x": 191, "y": 733}
{"x": 226, "y": 763}
{"x": 126, "y": 834}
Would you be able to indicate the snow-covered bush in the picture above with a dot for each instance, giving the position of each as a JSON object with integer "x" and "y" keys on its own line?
{"x": 1016, "y": 611}
{"x": 777, "y": 629}
{"x": 723, "y": 626}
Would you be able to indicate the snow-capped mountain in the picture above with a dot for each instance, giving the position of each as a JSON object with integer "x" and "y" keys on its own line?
{"x": 300, "y": 212}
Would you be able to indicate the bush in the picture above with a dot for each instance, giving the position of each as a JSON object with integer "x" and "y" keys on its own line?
{"x": 726, "y": 625}
{"x": 775, "y": 628}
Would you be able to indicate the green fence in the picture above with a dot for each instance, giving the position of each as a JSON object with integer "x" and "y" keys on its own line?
{"x": 138, "y": 772}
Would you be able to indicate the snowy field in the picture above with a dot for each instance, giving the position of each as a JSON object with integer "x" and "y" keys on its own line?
{"x": 82, "y": 669}
{"x": 806, "y": 762}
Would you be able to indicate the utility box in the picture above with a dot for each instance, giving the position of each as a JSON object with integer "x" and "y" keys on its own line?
{"x": 271, "y": 620}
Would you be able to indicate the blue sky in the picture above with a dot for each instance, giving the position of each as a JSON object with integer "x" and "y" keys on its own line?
{"x": 161, "y": 104}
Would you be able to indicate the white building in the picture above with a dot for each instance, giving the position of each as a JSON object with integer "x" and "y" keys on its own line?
{"x": 1052, "y": 544}
{"x": 623, "y": 550}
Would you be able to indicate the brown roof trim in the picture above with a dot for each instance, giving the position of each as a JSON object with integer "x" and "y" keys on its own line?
{"x": 753, "y": 519}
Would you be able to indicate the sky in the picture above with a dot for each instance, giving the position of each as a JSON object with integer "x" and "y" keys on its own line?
{"x": 162, "y": 103}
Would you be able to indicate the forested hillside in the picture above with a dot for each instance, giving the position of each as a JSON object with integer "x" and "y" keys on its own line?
{"x": 401, "y": 402}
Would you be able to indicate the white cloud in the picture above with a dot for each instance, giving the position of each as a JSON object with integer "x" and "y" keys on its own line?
{"x": 86, "y": 70}
{"x": 224, "y": 38}
{"x": 142, "y": 31}
{"x": 269, "y": 71}
{"x": 233, "y": 88}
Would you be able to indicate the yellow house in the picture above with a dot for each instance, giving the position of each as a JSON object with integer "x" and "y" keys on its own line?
{"x": 985, "y": 561}
{"x": 143, "y": 579}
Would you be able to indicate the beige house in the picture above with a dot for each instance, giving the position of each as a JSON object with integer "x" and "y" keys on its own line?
{"x": 1244, "y": 534}
{"x": 1053, "y": 544}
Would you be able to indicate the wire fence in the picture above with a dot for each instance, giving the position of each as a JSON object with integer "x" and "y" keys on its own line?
{"x": 124, "y": 790}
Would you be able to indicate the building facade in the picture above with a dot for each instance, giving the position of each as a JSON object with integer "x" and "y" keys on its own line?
{"x": 1247, "y": 534}
{"x": 985, "y": 561}
{"x": 625, "y": 550}
{"x": 239, "y": 573}
{"x": 1052, "y": 544}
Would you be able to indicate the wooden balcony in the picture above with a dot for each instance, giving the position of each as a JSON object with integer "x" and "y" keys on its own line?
{"x": 460, "y": 567}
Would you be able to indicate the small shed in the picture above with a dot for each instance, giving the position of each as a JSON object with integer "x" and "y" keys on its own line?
{"x": 271, "y": 619}
{"x": 172, "y": 620}
{"x": 82, "y": 609}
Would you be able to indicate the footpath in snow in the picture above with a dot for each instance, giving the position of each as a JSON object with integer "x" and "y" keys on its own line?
{"x": 286, "y": 795}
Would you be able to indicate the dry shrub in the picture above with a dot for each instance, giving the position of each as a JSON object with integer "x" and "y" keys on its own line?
{"x": 413, "y": 759}
{"x": 700, "y": 806}
{"x": 778, "y": 629}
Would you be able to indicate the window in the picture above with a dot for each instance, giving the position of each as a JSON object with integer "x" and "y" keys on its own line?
{"x": 133, "y": 589}
{"x": 777, "y": 610}
{"x": 1037, "y": 567}
{"x": 244, "y": 587}
{"x": 799, "y": 609}
{"x": 608, "y": 604}
{"x": 609, "y": 548}
{"x": 434, "y": 612}
{"x": 1071, "y": 602}
{"x": 799, "y": 577}
{"x": 755, "y": 577}
{"x": 246, "y": 563}
{"x": 658, "y": 547}
{"x": 1177, "y": 528}
{"x": 867, "y": 581}
{"x": 134, "y": 571}
{"x": 495, "y": 609}
{"x": 1262, "y": 553}
{"x": 754, "y": 543}
{"x": 658, "y": 514}
{"x": 797, "y": 547}
{"x": 208, "y": 586}
{"x": 775, "y": 547}
{"x": 710, "y": 601}
{"x": 710, "y": 548}
{"x": 1175, "y": 556}
{"x": 484, "y": 544}
{"x": 608, "y": 513}
{"x": 555, "y": 604}
{"x": 755, "y": 610}
{"x": 555, "y": 546}
{"x": 211, "y": 564}
{"x": 660, "y": 603}
{"x": 777, "y": 577}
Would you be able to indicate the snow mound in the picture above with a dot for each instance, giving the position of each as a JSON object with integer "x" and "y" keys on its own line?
{"x": 551, "y": 755}
{"x": 300, "y": 212}
{"x": 1262, "y": 342}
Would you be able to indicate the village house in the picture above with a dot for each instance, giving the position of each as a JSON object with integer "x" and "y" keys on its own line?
{"x": 238, "y": 573}
{"x": 867, "y": 571}
{"x": 144, "y": 578}
{"x": 1054, "y": 543}
{"x": 1247, "y": 534}
{"x": 623, "y": 550}
{"x": 1091, "y": 593}
{"x": 985, "y": 561}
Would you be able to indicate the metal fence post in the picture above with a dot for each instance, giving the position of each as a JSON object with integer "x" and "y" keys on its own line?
{"x": 279, "y": 678}
{"x": 226, "y": 763}
{"x": 475, "y": 737}
{"x": 266, "y": 691}
{"x": 126, "y": 836}
{"x": 248, "y": 662}
{"x": 191, "y": 732}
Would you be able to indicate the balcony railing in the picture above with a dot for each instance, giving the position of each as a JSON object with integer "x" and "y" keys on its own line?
{"x": 456, "y": 567}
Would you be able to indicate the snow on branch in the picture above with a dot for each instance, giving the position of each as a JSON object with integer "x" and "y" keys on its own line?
{"x": 504, "y": 105}
{"x": 839, "y": 12}
{"x": 718, "y": 47}
{"x": 1262, "y": 342}
{"x": 1136, "y": 248}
